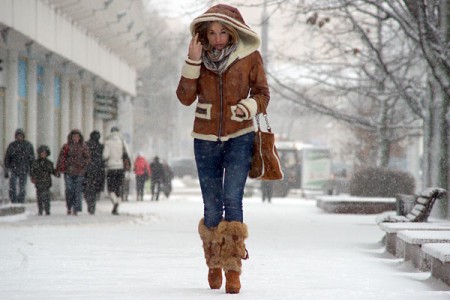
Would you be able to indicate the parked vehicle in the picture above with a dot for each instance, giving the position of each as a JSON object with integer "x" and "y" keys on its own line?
{"x": 304, "y": 166}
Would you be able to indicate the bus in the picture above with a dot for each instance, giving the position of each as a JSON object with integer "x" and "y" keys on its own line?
{"x": 305, "y": 166}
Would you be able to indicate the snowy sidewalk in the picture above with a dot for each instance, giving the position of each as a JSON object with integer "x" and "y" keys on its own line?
{"x": 152, "y": 251}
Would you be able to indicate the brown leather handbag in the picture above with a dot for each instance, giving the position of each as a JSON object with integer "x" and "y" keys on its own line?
{"x": 266, "y": 162}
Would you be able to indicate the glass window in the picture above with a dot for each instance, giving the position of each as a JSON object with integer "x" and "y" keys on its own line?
{"x": 40, "y": 80}
{"x": 57, "y": 92}
{"x": 23, "y": 68}
{"x": 23, "y": 92}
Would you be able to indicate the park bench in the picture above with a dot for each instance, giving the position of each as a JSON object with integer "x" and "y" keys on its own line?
{"x": 391, "y": 230}
{"x": 345, "y": 204}
{"x": 421, "y": 210}
{"x": 409, "y": 246}
{"x": 440, "y": 260}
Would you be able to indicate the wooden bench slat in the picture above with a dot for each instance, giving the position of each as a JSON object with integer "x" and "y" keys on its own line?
{"x": 422, "y": 208}
{"x": 428, "y": 192}
{"x": 422, "y": 200}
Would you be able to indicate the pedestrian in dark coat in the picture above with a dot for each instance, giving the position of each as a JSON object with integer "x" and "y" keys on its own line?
{"x": 18, "y": 159}
{"x": 267, "y": 190}
{"x": 41, "y": 173}
{"x": 157, "y": 177}
{"x": 94, "y": 179}
{"x": 73, "y": 160}
{"x": 167, "y": 183}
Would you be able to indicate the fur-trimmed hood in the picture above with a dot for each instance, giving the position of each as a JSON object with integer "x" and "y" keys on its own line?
{"x": 249, "y": 40}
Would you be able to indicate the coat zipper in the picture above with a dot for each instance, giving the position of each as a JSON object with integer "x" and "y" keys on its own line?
{"x": 221, "y": 99}
{"x": 221, "y": 107}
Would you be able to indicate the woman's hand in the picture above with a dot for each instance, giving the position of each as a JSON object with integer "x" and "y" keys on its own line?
{"x": 239, "y": 113}
{"x": 195, "y": 48}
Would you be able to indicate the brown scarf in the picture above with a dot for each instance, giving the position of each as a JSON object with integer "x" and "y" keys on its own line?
{"x": 216, "y": 60}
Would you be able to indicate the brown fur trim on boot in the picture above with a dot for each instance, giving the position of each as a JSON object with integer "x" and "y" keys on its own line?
{"x": 233, "y": 284}
{"x": 233, "y": 251}
{"x": 211, "y": 246}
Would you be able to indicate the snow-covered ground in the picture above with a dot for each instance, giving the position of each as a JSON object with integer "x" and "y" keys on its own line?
{"x": 152, "y": 251}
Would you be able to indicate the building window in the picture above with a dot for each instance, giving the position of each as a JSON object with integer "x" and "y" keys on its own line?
{"x": 57, "y": 92}
{"x": 23, "y": 92}
{"x": 40, "y": 80}
{"x": 57, "y": 109}
{"x": 23, "y": 70}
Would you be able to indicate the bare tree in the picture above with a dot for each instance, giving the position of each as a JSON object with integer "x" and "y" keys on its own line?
{"x": 156, "y": 105}
{"x": 351, "y": 69}
{"x": 401, "y": 60}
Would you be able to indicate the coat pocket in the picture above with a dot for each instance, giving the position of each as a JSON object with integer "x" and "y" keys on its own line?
{"x": 203, "y": 111}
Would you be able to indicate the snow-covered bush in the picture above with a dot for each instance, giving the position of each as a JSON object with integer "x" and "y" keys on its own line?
{"x": 381, "y": 182}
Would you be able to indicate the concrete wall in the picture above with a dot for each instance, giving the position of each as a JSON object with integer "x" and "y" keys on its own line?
{"x": 42, "y": 24}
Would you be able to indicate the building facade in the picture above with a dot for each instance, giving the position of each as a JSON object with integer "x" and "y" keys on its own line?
{"x": 67, "y": 64}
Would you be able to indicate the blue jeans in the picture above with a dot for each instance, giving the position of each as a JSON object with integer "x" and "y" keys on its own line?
{"x": 14, "y": 196}
{"x": 223, "y": 169}
{"x": 74, "y": 189}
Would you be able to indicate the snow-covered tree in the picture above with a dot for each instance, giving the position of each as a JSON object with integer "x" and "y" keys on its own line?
{"x": 389, "y": 56}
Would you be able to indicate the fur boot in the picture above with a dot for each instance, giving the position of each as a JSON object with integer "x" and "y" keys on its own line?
{"x": 211, "y": 246}
{"x": 232, "y": 252}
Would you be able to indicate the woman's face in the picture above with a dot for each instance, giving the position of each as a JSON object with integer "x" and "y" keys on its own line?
{"x": 76, "y": 138}
{"x": 217, "y": 36}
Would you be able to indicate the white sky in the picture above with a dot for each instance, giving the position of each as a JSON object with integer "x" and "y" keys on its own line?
{"x": 152, "y": 251}
{"x": 283, "y": 36}
{"x": 185, "y": 10}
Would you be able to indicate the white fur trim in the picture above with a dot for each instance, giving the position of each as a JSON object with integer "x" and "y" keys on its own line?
{"x": 193, "y": 62}
{"x": 213, "y": 138}
{"x": 191, "y": 69}
{"x": 251, "y": 107}
{"x": 205, "y": 106}
{"x": 245, "y": 32}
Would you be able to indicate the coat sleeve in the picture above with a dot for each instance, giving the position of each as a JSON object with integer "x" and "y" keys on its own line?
{"x": 259, "y": 89}
{"x": 105, "y": 153}
{"x": 52, "y": 169}
{"x": 7, "y": 161}
{"x": 31, "y": 157}
{"x": 61, "y": 159}
{"x": 33, "y": 171}
{"x": 187, "y": 87}
{"x": 147, "y": 166}
{"x": 86, "y": 156}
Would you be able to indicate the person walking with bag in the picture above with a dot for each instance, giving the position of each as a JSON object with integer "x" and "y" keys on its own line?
{"x": 73, "y": 159}
{"x": 224, "y": 72}
{"x": 117, "y": 162}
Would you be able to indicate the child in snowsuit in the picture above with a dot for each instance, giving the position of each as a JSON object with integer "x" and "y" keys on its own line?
{"x": 41, "y": 170}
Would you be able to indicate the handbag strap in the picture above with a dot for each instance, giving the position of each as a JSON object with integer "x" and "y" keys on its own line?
{"x": 266, "y": 118}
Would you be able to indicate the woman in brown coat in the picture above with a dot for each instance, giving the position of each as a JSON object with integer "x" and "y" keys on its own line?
{"x": 224, "y": 72}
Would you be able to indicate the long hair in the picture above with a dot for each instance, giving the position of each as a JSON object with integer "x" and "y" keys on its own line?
{"x": 202, "y": 28}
